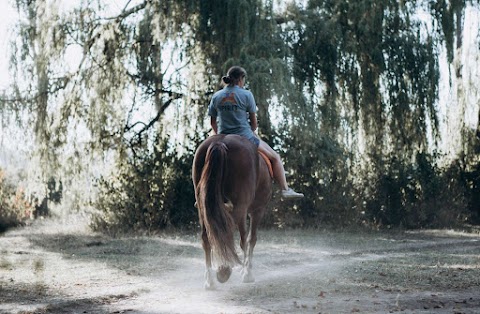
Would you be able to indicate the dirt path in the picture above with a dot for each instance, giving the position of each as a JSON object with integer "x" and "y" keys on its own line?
{"x": 62, "y": 267}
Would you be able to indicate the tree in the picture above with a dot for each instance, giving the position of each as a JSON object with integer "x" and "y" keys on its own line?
{"x": 346, "y": 91}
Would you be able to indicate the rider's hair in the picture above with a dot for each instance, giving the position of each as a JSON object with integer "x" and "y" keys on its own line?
{"x": 234, "y": 75}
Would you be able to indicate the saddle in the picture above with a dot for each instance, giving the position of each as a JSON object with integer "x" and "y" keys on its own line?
{"x": 268, "y": 162}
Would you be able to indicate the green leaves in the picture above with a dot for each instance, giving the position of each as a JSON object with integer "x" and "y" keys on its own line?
{"x": 341, "y": 87}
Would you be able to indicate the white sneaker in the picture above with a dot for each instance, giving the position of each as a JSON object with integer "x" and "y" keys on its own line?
{"x": 291, "y": 194}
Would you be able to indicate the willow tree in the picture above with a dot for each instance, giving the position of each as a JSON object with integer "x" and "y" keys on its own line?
{"x": 347, "y": 91}
{"x": 95, "y": 82}
{"x": 246, "y": 33}
{"x": 371, "y": 72}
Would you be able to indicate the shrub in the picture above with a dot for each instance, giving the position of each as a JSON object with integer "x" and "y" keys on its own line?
{"x": 147, "y": 194}
{"x": 416, "y": 195}
{"x": 14, "y": 208}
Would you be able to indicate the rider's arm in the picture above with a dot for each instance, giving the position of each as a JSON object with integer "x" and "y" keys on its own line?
{"x": 253, "y": 121}
{"x": 213, "y": 122}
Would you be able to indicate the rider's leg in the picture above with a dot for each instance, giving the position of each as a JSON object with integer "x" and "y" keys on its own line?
{"x": 278, "y": 170}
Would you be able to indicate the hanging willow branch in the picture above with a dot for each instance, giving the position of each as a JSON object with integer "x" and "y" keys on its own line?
{"x": 157, "y": 118}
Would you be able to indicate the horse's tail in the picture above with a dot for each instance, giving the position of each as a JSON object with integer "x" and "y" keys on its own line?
{"x": 214, "y": 215}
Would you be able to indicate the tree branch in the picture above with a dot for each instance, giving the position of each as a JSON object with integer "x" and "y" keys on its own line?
{"x": 125, "y": 13}
{"x": 159, "y": 114}
{"x": 137, "y": 138}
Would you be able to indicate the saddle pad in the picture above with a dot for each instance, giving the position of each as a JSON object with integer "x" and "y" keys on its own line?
{"x": 267, "y": 161}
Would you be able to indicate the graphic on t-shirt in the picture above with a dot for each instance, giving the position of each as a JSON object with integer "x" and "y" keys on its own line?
{"x": 228, "y": 103}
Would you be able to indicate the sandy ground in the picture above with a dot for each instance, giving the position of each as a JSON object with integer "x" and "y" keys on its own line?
{"x": 60, "y": 266}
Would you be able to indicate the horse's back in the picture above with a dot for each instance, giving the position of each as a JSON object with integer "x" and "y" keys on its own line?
{"x": 242, "y": 172}
{"x": 242, "y": 161}
{"x": 241, "y": 151}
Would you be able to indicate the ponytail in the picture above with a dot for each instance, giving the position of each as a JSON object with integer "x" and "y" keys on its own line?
{"x": 227, "y": 80}
{"x": 234, "y": 75}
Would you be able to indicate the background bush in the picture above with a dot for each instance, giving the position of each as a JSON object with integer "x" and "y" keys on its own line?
{"x": 14, "y": 208}
{"x": 153, "y": 193}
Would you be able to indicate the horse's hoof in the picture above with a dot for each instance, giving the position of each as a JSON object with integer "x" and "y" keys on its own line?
{"x": 209, "y": 286}
{"x": 247, "y": 277}
{"x": 223, "y": 273}
{"x": 209, "y": 280}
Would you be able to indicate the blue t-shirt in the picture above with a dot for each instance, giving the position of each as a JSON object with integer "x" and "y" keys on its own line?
{"x": 231, "y": 107}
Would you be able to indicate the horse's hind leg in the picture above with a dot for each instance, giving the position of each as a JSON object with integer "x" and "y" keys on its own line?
{"x": 242, "y": 229}
{"x": 247, "y": 275}
{"x": 209, "y": 273}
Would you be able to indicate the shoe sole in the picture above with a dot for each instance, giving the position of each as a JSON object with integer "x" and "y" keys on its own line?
{"x": 292, "y": 196}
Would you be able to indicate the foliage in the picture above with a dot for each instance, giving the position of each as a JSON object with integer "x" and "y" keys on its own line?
{"x": 14, "y": 208}
{"x": 417, "y": 195}
{"x": 471, "y": 182}
{"x": 347, "y": 92}
{"x": 149, "y": 193}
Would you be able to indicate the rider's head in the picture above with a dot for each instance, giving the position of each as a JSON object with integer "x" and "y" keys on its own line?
{"x": 234, "y": 76}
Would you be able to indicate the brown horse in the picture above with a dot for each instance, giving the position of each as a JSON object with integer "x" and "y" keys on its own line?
{"x": 231, "y": 182}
